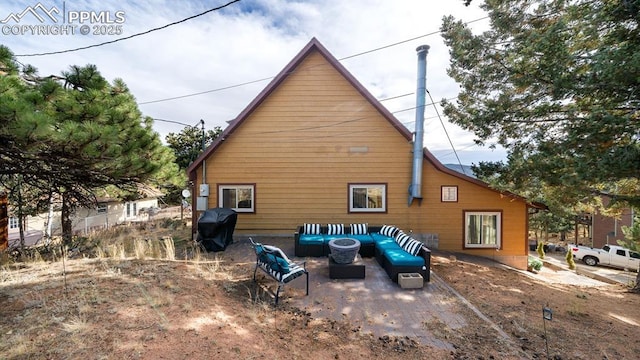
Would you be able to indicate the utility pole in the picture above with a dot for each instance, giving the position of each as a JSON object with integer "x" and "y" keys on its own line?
{"x": 203, "y": 134}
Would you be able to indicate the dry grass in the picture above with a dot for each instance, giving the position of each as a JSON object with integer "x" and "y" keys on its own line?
{"x": 126, "y": 275}
{"x": 105, "y": 302}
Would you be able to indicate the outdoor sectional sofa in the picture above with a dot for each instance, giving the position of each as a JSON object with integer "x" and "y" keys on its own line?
{"x": 394, "y": 250}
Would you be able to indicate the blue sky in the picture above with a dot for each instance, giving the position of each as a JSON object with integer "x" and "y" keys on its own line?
{"x": 253, "y": 40}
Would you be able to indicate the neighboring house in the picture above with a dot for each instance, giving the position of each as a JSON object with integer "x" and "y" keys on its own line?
{"x": 608, "y": 230}
{"x": 109, "y": 212}
{"x": 316, "y": 147}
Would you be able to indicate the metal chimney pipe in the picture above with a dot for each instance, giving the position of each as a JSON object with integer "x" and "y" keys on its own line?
{"x": 415, "y": 189}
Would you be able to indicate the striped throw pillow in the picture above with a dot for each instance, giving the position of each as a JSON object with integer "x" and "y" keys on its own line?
{"x": 388, "y": 230}
{"x": 402, "y": 238}
{"x": 312, "y": 229}
{"x": 335, "y": 229}
{"x": 412, "y": 246}
{"x": 359, "y": 229}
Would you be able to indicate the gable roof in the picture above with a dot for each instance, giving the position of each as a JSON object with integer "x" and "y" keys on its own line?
{"x": 315, "y": 45}
{"x": 290, "y": 68}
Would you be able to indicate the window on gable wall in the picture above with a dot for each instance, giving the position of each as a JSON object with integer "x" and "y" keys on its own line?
{"x": 13, "y": 223}
{"x": 449, "y": 194}
{"x": 482, "y": 229}
{"x": 240, "y": 198}
{"x": 367, "y": 198}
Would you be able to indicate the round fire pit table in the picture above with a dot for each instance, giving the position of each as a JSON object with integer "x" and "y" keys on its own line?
{"x": 344, "y": 251}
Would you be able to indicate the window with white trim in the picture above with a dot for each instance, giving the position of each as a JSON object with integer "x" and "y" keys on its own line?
{"x": 482, "y": 229}
{"x": 13, "y": 223}
{"x": 367, "y": 198}
{"x": 131, "y": 209}
{"x": 240, "y": 198}
{"x": 449, "y": 194}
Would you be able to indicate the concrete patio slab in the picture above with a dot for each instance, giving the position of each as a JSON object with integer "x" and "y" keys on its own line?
{"x": 374, "y": 305}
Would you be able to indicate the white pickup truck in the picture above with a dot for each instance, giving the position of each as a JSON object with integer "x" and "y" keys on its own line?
{"x": 609, "y": 255}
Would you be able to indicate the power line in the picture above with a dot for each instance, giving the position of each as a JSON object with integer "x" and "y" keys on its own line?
{"x": 405, "y": 41}
{"x": 131, "y": 36}
{"x": 396, "y": 97}
{"x": 205, "y": 92}
{"x": 272, "y": 77}
{"x": 462, "y": 148}
{"x": 177, "y": 122}
{"x": 446, "y": 133}
{"x": 390, "y": 45}
{"x": 316, "y": 127}
{"x": 330, "y": 125}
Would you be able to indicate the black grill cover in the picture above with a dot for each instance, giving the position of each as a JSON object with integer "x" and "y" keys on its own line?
{"x": 215, "y": 228}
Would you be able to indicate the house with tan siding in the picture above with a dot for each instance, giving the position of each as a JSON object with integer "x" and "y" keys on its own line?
{"x": 316, "y": 147}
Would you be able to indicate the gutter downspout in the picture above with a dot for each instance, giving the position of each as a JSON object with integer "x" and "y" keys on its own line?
{"x": 415, "y": 189}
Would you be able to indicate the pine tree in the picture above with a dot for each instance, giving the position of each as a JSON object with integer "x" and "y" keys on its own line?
{"x": 76, "y": 133}
{"x": 187, "y": 145}
{"x": 556, "y": 83}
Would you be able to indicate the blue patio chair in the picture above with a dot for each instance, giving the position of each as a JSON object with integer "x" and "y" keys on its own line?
{"x": 275, "y": 263}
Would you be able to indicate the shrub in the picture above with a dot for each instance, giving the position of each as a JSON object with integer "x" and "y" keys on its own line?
{"x": 534, "y": 264}
{"x": 540, "y": 249}
{"x": 570, "y": 261}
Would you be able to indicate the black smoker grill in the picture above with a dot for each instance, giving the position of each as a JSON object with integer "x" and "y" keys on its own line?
{"x": 215, "y": 228}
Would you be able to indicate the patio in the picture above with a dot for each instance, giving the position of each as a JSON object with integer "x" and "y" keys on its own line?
{"x": 373, "y": 305}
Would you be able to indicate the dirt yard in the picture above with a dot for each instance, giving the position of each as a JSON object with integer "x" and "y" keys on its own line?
{"x": 201, "y": 308}
{"x": 587, "y": 322}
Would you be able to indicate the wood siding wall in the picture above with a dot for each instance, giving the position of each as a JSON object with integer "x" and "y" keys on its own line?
{"x": 447, "y": 218}
{"x": 608, "y": 230}
{"x": 297, "y": 148}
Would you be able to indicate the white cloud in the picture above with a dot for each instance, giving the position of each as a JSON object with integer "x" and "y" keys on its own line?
{"x": 252, "y": 40}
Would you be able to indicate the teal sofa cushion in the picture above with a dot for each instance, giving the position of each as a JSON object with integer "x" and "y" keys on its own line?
{"x": 363, "y": 238}
{"x": 387, "y": 244}
{"x": 379, "y": 237}
{"x": 311, "y": 239}
{"x": 399, "y": 257}
{"x": 328, "y": 238}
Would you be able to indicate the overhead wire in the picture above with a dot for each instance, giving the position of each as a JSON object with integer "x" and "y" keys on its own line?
{"x": 205, "y": 92}
{"x": 235, "y": 85}
{"x": 177, "y": 122}
{"x": 446, "y": 133}
{"x": 326, "y": 125}
{"x": 272, "y": 77}
{"x": 460, "y": 148}
{"x": 131, "y": 36}
{"x": 406, "y": 41}
{"x": 263, "y": 79}
{"x": 244, "y": 83}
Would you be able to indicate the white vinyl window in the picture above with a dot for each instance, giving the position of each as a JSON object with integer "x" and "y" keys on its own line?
{"x": 482, "y": 229}
{"x": 13, "y": 223}
{"x": 237, "y": 197}
{"x": 367, "y": 198}
{"x": 131, "y": 210}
